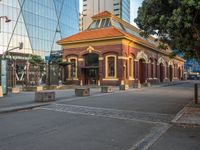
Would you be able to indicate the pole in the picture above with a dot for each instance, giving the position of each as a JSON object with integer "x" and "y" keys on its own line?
{"x": 196, "y": 93}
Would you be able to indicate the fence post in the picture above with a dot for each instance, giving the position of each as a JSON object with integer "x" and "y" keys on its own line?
{"x": 196, "y": 93}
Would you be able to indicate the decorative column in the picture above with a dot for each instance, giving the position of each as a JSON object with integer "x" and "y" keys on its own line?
{"x": 136, "y": 70}
{"x": 100, "y": 70}
{"x": 79, "y": 66}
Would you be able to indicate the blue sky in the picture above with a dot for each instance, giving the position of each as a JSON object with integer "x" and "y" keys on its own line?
{"x": 135, "y": 4}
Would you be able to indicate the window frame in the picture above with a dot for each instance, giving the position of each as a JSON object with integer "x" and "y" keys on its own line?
{"x": 70, "y": 68}
{"x": 107, "y": 67}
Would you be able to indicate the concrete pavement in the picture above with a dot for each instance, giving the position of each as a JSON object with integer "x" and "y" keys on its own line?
{"x": 128, "y": 120}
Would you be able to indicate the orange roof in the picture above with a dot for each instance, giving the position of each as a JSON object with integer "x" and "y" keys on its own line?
{"x": 92, "y": 35}
{"x": 104, "y": 14}
{"x": 101, "y": 33}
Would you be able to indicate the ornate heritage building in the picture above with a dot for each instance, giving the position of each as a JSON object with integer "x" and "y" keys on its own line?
{"x": 111, "y": 52}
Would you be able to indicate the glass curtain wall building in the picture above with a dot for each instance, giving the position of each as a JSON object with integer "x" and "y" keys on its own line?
{"x": 125, "y": 10}
{"x": 38, "y": 24}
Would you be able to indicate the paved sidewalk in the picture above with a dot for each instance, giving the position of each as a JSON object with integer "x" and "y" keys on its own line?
{"x": 25, "y": 100}
{"x": 189, "y": 115}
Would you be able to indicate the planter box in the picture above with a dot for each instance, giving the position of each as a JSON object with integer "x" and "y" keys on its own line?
{"x": 15, "y": 90}
{"x": 44, "y": 96}
{"x": 82, "y": 91}
{"x": 123, "y": 87}
{"x": 147, "y": 84}
{"x": 137, "y": 85}
{"x": 106, "y": 89}
{"x": 39, "y": 88}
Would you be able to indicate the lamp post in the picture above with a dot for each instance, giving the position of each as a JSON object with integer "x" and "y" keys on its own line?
{"x": 6, "y": 20}
{"x": 4, "y": 64}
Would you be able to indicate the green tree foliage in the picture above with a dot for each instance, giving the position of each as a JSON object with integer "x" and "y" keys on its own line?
{"x": 36, "y": 60}
{"x": 174, "y": 22}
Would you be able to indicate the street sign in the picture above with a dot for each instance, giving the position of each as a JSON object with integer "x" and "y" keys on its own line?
{"x": 4, "y": 75}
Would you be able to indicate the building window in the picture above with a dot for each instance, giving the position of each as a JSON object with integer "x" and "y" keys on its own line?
{"x": 116, "y": 4}
{"x": 111, "y": 66}
{"x": 72, "y": 69}
{"x": 131, "y": 67}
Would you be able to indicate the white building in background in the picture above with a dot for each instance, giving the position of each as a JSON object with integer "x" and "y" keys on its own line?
{"x": 120, "y": 8}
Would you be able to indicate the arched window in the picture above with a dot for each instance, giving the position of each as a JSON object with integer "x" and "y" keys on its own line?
{"x": 72, "y": 69}
{"x": 111, "y": 66}
{"x": 131, "y": 67}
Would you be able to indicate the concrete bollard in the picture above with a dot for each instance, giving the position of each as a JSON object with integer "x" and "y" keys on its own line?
{"x": 39, "y": 88}
{"x": 15, "y": 90}
{"x": 1, "y": 91}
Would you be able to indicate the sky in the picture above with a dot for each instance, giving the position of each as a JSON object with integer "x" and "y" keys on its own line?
{"x": 135, "y": 4}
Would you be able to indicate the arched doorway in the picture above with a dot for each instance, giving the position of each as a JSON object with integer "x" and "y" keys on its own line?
{"x": 170, "y": 72}
{"x": 91, "y": 69}
{"x": 161, "y": 72}
{"x": 142, "y": 71}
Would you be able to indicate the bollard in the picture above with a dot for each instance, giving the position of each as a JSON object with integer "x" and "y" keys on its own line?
{"x": 196, "y": 93}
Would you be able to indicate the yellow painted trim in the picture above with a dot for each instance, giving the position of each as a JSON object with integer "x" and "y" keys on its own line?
{"x": 123, "y": 57}
{"x": 132, "y": 67}
{"x": 80, "y": 59}
{"x": 106, "y": 64}
{"x": 110, "y": 79}
{"x": 69, "y": 68}
{"x": 94, "y": 43}
{"x": 100, "y": 58}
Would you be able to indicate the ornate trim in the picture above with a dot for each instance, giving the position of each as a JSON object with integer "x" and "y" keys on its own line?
{"x": 142, "y": 55}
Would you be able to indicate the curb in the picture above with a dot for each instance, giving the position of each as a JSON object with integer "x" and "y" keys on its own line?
{"x": 20, "y": 108}
{"x": 182, "y": 123}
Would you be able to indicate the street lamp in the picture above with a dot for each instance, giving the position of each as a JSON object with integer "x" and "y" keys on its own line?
{"x": 6, "y": 20}
{"x": 4, "y": 63}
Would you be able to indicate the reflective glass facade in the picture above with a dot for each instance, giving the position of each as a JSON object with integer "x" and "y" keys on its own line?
{"x": 38, "y": 24}
{"x": 125, "y": 14}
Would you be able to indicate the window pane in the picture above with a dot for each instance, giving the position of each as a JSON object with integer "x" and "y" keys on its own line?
{"x": 111, "y": 66}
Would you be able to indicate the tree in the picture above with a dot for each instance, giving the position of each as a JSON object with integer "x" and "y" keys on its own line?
{"x": 175, "y": 23}
{"x": 38, "y": 65}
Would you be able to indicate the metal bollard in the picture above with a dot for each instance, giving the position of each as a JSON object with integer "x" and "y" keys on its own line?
{"x": 196, "y": 93}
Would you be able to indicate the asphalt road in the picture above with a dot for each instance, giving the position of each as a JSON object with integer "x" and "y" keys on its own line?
{"x": 134, "y": 119}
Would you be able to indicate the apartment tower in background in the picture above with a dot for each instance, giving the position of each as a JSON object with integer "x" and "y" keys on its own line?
{"x": 120, "y": 8}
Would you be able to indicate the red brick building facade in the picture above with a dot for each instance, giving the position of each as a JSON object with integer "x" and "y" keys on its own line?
{"x": 111, "y": 52}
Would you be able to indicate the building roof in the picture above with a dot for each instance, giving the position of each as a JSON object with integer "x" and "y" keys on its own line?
{"x": 116, "y": 28}
{"x": 104, "y": 14}
{"x": 87, "y": 35}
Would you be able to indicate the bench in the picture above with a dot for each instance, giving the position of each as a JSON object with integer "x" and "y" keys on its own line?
{"x": 106, "y": 89}
{"x": 82, "y": 91}
{"x": 44, "y": 96}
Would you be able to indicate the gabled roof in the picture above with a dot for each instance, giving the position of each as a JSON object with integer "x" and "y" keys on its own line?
{"x": 108, "y": 32}
{"x": 104, "y": 14}
{"x": 88, "y": 35}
